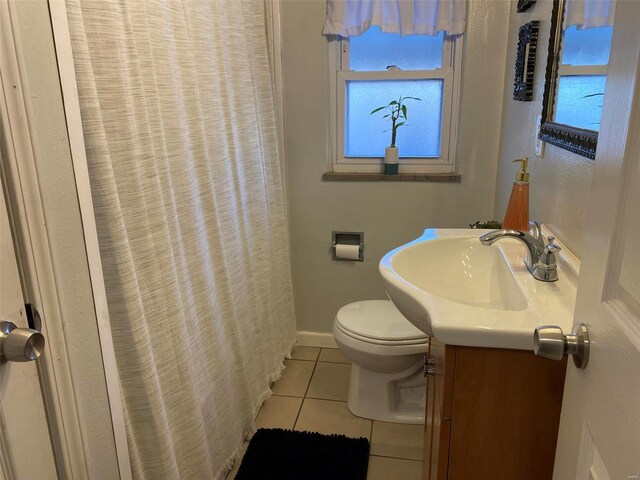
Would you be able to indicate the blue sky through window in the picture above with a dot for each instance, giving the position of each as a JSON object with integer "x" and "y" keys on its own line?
{"x": 375, "y": 50}
{"x": 579, "y": 101}
{"x": 368, "y": 135}
{"x": 586, "y": 47}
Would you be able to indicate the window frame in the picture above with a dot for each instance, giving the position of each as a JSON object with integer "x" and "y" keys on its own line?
{"x": 450, "y": 73}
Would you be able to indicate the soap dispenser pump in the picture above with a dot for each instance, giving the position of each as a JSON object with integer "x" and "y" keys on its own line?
{"x": 517, "y": 215}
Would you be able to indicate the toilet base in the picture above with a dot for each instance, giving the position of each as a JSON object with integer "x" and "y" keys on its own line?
{"x": 388, "y": 397}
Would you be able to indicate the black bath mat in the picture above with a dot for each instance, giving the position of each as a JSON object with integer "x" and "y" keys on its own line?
{"x": 276, "y": 454}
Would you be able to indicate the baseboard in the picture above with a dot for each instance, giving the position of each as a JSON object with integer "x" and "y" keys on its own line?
{"x": 316, "y": 339}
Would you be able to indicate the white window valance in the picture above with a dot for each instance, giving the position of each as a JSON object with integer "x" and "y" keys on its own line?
{"x": 589, "y": 13}
{"x": 349, "y": 18}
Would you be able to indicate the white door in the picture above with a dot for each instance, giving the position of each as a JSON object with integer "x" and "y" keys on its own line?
{"x": 600, "y": 425}
{"x": 25, "y": 448}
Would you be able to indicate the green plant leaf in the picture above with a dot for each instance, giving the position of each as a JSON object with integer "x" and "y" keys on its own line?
{"x": 396, "y": 110}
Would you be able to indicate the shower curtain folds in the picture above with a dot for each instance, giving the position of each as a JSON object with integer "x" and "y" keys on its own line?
{"x": 178, "y": 111}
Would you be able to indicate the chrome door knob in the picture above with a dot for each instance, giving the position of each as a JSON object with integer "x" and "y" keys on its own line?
{"x": 550, "y": 342}
{"x": 19, "y": 344}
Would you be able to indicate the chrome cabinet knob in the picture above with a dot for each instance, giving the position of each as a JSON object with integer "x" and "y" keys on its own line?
{"x": 19, "y": 344}
{"x": 550, "y": 342}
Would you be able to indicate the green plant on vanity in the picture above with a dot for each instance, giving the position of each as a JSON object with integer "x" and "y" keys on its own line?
{"x": 396, "y": 112}
{"x": 492, "y": 224}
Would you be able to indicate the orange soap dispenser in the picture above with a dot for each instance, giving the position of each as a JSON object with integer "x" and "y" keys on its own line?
{"x": 517, "y": 216}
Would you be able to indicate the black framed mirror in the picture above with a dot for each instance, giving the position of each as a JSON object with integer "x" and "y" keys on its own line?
{"x": 563, "y": 123}
{"x": 524, "y": 5}
{"x": 526, "y": 61}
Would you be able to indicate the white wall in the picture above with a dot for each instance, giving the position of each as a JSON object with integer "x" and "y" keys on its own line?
{"x": 561, "y": 181}
{"x": 389, "y": 213}
{"x": 64, "y": 228}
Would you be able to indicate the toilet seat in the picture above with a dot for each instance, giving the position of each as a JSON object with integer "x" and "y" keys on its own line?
{"x": 378, "y": 322}
{"x": 376, "y": 341}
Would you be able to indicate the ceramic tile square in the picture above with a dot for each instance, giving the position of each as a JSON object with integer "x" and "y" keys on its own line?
{"x": 295, "y": 379}
{"x": 305, "y": 353}
{"x": 232, "y": 474}
{"x": 333, "y": 355}
{"x": 278, "y": 412}
{"x": 326, "y": 416}
{"x": 330, "y": 381}
{"x": 397, "y": 440}
{"x": 383, "y": 468}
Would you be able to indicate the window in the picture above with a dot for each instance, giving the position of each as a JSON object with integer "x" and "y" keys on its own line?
{"x": 374, "y": 68}
{"x": 582, "y": 76}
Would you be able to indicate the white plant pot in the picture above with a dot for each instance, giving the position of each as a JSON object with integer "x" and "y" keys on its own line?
{"x": 391, "y": 155}
{"x": 391, "y": 161}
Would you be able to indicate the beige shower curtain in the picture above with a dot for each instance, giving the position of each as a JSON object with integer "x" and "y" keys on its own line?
{"x": 179, "y": 119}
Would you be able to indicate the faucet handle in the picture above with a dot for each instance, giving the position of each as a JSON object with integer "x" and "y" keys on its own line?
{"x": 546, "y": 267}
{"x": 552, "y": 247}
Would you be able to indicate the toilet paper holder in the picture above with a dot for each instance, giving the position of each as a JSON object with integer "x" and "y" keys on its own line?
{"x": 347, "y": 238}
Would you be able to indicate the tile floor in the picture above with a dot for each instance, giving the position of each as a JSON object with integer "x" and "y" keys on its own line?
{"x": 312, "y": 395}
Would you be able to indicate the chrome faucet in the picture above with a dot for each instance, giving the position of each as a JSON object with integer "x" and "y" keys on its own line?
{"x": 541, "y": 260}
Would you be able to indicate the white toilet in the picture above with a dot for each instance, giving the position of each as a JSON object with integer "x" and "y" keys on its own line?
{"x": 387, "y": 352}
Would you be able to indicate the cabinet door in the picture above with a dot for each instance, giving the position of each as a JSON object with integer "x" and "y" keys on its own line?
{"x": 438, "y": 425}
{"x": 506, "y": 411}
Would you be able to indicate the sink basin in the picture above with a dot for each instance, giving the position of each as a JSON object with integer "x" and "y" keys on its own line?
{"x": 461, "y": 292}
{"x": 461, "y": 270}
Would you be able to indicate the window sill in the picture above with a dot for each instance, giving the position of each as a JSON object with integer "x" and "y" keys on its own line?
{"x": 381, "y": 177}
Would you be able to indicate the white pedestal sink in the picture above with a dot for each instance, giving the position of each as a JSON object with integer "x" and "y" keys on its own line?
{"x": 461, "y": 292}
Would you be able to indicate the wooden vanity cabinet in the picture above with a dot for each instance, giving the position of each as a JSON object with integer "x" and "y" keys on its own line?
{"x": 491, "y": 414}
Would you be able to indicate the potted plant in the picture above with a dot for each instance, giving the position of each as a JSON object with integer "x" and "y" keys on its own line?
{"x": 396, "y": 111}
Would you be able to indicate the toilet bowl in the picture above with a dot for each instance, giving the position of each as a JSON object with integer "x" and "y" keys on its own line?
{"x": 387, "y": 355}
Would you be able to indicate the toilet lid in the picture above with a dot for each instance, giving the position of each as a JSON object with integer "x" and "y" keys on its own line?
{"x": 377, "y": 319}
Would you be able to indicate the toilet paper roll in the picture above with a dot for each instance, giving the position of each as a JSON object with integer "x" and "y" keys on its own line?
{"x": 349, "y": 252}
